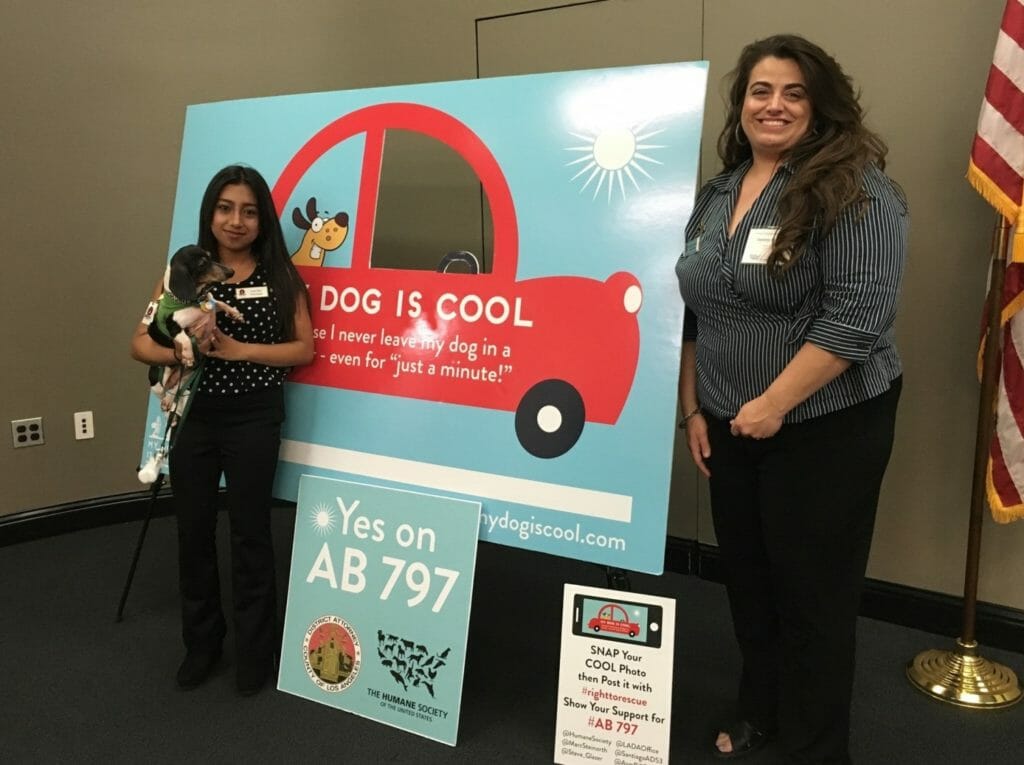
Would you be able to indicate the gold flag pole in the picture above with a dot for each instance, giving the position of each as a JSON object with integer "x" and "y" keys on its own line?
{"x": 961, "y": 676}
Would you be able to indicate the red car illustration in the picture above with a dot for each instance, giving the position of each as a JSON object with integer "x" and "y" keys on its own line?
{"x": 613, "y": 618}
{"x": 559, "y": 351}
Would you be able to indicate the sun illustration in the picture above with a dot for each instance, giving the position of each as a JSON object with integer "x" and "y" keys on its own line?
{"x": 322, "y": 517}
{"x": 611, "y": 154}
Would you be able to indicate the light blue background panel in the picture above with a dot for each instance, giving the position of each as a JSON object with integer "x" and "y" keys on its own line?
{"x": 602, "y": 170}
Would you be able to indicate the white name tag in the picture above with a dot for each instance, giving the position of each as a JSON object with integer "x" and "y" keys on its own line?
{"x": 247, "y": 293}
{"x": 759, "y": 244}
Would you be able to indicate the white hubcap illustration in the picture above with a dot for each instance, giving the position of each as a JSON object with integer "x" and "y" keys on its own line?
{"x": 549, "y": 419}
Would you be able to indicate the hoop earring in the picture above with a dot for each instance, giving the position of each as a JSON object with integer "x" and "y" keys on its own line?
{"x": 741, "y": 137}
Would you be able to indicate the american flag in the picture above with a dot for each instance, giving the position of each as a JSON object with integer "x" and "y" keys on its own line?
{"x": 996, "y": 170}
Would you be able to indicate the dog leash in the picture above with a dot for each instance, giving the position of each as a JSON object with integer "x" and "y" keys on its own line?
{"x": 183, "y": 401}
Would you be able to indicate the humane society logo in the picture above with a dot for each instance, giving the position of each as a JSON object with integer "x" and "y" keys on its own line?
{"x": 331, "y": 653}
{"x": 410, "y": 663}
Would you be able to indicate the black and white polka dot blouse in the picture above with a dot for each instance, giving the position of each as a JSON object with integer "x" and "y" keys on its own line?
{"x": 230, "y": 378}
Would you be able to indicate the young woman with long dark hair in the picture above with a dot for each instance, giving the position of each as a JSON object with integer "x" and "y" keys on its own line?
{"x": 233, "y": 428}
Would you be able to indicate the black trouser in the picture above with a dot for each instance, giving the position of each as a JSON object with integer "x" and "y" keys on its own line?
{"x": 794, "y": 515}
{"x": 239, "y": 436}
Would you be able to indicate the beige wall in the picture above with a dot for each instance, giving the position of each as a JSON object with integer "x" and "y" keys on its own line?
{"x": 93, "y": 105}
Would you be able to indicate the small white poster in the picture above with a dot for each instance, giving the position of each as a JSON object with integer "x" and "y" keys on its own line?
{"x": 615, "y": 677}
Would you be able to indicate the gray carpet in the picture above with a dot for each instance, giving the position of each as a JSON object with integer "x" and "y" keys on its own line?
{"x": 78, "y": 687}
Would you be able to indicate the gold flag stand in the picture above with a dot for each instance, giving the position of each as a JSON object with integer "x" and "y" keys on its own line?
{"x": 961, "y": 676}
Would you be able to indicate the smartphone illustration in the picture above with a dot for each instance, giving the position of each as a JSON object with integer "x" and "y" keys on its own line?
{"x": 619, "y": 620}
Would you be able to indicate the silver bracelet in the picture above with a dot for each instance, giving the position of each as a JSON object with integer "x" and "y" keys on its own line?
{"x": 688, "y": 415}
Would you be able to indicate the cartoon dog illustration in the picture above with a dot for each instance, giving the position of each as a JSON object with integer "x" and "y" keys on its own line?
{"x": 322, "y": 234}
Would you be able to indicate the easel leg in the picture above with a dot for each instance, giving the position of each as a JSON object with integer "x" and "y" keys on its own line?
{"x": 138, "y": 545}
{"x": 618, "y": 579}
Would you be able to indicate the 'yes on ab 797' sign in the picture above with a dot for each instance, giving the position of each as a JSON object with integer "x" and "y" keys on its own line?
{"x": 544, "y": 386}
{"x": 378, "y": 603}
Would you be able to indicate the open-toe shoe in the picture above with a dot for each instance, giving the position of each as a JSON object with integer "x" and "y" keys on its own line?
{"x": 745, "y": 738}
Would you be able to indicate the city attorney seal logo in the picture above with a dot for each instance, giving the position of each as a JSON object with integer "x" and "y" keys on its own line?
{"x": 331, "y": 653}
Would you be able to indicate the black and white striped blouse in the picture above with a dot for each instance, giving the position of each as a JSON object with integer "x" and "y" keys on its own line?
{"x": 841, "y": 296}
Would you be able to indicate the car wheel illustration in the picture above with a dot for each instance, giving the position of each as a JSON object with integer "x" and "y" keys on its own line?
{"x": 632, "y": 633}
{"x": 596, "y": 628}
{"x": 550, "y": 418}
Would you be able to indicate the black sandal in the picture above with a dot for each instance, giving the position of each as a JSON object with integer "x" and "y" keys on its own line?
{"x": 745, "y": 739}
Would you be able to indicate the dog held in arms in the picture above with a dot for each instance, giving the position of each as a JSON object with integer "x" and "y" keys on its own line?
{"x": 185, "y": 302}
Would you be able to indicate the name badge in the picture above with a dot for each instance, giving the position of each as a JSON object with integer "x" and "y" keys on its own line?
{"x": 759, "y": 244}
{"x": 150, "y": 314}
{"x": 247, "y": 293}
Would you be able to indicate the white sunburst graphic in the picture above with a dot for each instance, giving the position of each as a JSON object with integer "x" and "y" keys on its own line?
{"x": 612, "y": 154}
{"x": 322, "y": 518}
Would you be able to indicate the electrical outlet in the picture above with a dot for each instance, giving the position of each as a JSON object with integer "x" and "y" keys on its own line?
{"x": 83, "y": 425}
{"x": 28, "y": 432}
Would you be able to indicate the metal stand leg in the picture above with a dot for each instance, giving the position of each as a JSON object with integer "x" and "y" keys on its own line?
{"x": 138, "y": 545}
{"x": 618, "y": 579}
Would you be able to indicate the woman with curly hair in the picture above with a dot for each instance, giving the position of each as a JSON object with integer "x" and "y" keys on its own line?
{"x": 791, "y": 275}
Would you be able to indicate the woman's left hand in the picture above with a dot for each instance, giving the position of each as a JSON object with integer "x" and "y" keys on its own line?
{"x": 756, "y": 419}
{"x": 225, "y": 347}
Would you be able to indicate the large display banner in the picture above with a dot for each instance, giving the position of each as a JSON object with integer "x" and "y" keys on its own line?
{"x": 379, "y": 596}
{"x": 614, "y": 677}
{"x": 543, "y": 386}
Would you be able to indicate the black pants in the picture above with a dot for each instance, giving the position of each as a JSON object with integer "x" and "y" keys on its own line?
{"x": 794, "y": 515}
{"x": 238, "y": 436}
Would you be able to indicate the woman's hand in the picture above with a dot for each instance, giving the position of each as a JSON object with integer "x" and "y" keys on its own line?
{"x": 288, "y": 353}
{"x": 757, "y": 418}
{"x": 697, "y": 440}
{"x": 807, "y": 372}
{"x": 221, "y": 346}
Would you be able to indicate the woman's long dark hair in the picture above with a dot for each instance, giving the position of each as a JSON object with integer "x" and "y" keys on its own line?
{"x": 268, "y": 248}
{"x": 828, "y": 162}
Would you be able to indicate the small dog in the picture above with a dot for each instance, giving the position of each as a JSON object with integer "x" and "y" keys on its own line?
{"x": 186, "y": 300}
